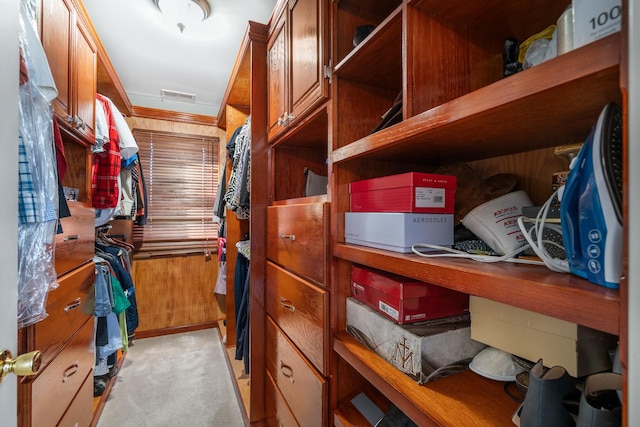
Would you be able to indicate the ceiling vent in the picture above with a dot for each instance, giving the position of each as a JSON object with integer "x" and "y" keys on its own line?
{"x": 174, "y": 95}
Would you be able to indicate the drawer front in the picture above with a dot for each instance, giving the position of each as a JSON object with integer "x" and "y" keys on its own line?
{"x": 297, "y": 238}
{"x": 304, "y": 390}
{"x": 54, "y": 388}
{"x": 301, "y": 310}
{"x": 80, "y": 412}
{"x": 278, "y": 412}
{"x": 75, "y": 245}
{"x": 69, "y": 306}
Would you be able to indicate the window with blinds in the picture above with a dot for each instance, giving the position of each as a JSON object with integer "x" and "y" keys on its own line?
{"x": 181, "y": 177}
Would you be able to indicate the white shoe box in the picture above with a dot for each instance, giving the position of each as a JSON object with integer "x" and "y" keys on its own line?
{"x": 398, "y": 231}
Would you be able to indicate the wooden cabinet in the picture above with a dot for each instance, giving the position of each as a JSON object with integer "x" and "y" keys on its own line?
{"x": 72, "y": 54}
{"x": 304, "y": 390}
{"x": 297, "y": 62}
{"x": 289, "y": 230}
{"x": 246, "y": 95}
{"x": 61, "y": 394}
{"x": 446, "y": 60}
{"x": 66, "y": 341}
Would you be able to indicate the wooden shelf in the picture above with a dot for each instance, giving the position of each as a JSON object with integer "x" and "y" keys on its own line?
{"x": 463, "y": 399}
{"x": 523, "y": 112}
{"x": 535, "y": 288}
{"x": 500, "y": 19}
{"x": 384, "y": 42}
{"x": 373, "y": 11}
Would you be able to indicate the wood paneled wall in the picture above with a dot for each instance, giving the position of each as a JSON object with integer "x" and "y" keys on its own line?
{"x": 175, "y": 294}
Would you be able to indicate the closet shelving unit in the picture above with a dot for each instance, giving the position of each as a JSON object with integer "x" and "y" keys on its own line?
{"x": 246, "y": 89}
{"x": 446, "y": 58}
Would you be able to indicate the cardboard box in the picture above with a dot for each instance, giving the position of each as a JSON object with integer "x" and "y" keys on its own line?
{"x": 405, "y": 300}
{"x": 532, "y": 336}
{"x": 411, "y": 192}
{"x": 595, "y": 19}
{"x": 398, "y": 231}
{"x": 417, "y": 350}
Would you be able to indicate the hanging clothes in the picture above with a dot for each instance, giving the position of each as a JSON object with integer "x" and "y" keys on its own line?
{"x": 106, "y": 164}
{"x": 118, "y": 254}
{"x": 38, "y": 202}
{"x": 237, "y": 195}
{"x": 241, "y": 293}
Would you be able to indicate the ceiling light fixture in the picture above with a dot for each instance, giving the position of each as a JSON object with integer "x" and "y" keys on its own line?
{"x": 184, "y": 12}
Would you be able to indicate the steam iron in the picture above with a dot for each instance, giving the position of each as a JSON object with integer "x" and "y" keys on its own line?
{"x": 591, "y": 204}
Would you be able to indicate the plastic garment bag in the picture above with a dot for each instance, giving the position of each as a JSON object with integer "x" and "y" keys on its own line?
{"x": 38, "y": 181}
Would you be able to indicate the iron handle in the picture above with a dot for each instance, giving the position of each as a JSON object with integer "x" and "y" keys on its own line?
{"x": 71, "y": 237}
{"x": 291, "y": 237}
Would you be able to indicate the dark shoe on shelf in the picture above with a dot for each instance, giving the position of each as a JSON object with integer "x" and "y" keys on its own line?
{"x": 544, "y": 404}
{"x": 599, "y": 403}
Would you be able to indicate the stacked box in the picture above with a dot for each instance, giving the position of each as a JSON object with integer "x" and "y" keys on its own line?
{"x": 411, "y": 192}
{"x": 418, "y": 349}
{"x": 405, "y": 300}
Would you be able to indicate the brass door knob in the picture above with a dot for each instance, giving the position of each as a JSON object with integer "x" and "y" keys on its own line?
{"x": 23, "y": 365}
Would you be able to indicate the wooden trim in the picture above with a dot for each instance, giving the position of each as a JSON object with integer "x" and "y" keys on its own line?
{"x": 176, "y": 330}
{"x": 243, "y": 409}
{"x": 102, "y": 400}
{"x": 173, "y": 116}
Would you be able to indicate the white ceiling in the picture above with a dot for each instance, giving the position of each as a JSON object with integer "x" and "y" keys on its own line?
{"x": 150, "y": 54}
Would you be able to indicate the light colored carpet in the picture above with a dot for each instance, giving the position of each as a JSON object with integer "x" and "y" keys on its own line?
{"x": 174, "y": 380}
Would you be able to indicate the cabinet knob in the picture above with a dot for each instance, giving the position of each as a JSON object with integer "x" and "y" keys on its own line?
{"x": 291, "y": 237}
{"x": 78, "y": 122}
{"x": 282, "y": 120}
{"x": 289, "y": 119}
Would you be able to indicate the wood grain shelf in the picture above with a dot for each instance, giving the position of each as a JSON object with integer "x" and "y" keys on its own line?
{"x": 464, "y": 399}
{"x": 543, "y": 111}
{"x": 384, "y": 42}
{"x": 530, "y": 287}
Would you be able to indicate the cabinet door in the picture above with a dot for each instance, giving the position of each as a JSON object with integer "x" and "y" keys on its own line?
{"x": 58, "y": 22}
{"x": 277, "y": 78}
{"x": 84, "y": 82}
{"x": 307, "y": 57}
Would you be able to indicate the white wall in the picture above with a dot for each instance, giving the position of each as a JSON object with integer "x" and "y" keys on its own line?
{"x": 633, "y": 190}
{"x": 9, "y": 67}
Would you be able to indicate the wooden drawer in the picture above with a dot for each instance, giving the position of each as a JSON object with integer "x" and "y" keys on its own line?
{"x": 80, "y": 412}
{"x": 278, "y": 412}
{"x": 75, "y": 245}
{"x": 69, "y": 306}
{"x": 55, "y": 387}
{"x": 301, "y": 311}
{"x": 297, "y": 238}
{"x": 304, "y": 390}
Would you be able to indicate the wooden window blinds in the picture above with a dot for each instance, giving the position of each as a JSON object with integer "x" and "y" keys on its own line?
{"x": 181, "y": 176}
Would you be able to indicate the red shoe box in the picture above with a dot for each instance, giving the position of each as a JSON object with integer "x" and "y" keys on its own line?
{"x": 411, "y": 192}
{"x": 405, "y": 300}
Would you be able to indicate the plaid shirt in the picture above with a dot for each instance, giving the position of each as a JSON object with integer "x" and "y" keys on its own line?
{"x": 106, "y": 165}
